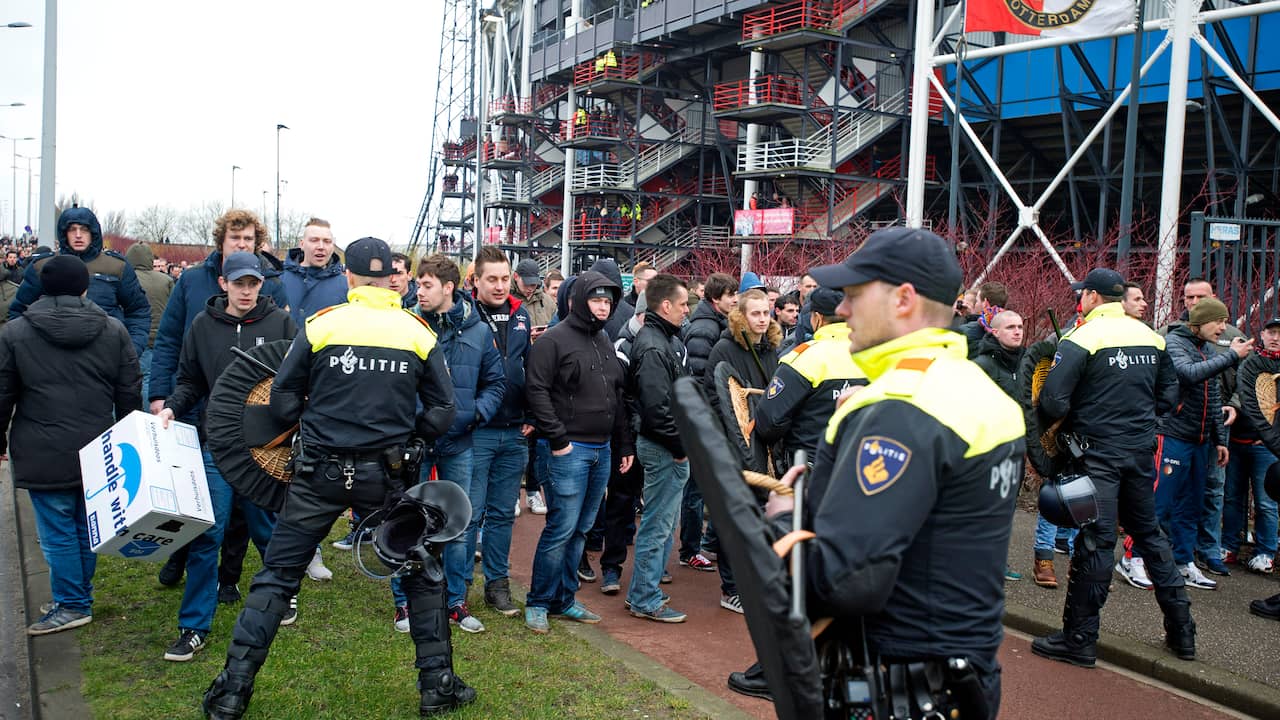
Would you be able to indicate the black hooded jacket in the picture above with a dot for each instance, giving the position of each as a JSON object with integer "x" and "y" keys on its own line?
{"x": 67, "y": 371}
{"x": 206, "y": 348}
{"x": 622, "y": 310}
{"x": 705, "y": 327}
{"x": 999, "y": 363}
{"x": 574, "y": 381}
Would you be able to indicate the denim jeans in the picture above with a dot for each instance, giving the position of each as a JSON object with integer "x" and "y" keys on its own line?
{"x": 664, "y": 482}
{"x": 691, "y": 517}
{"x": 1182, "y": 468}
{"x": 144, "y": 360}
{"x": 1248, "y": 469}
{"x": 539, "y": 459}
{"x": 498, "y": 458}
{"x": 200, "y": 596}
{"x": 459, "y": 564}
{"x": 574, "y": 486}
{"x": 1046, "y": 536}
{"x": 1209, "y": 532}
{"x": 246, "y": 522}
{"x": 64, "y": 542}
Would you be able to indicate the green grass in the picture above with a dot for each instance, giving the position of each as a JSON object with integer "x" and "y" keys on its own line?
{"x": 343, "y": 659}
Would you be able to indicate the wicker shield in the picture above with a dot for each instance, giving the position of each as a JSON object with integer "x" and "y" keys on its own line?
{"x": 250, "y": 447}
{"x": 737, "y": 404}
{"x": 1042, "y": 431}
{"x": 1256, "y": 388}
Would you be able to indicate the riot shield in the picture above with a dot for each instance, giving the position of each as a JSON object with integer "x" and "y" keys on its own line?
{"x": 1046, "y": 457}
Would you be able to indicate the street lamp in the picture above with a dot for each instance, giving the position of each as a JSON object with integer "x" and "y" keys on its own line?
{"x": 279, "y": 127}
{"x": 14, "y": 227}
{"x": 29, "y": 159}
{"x": 13, "y": 104}
{"x": 18, "y": 25}
{"x": 234, "y": 168}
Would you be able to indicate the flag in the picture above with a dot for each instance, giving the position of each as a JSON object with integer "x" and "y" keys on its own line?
{"x": 1050, "y": 18}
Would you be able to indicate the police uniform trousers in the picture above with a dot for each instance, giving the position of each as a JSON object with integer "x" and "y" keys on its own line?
{"x": 1125, "y": 495}
{"x": 314, "y": 502}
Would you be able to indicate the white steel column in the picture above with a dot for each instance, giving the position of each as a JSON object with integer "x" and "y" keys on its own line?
{"x": 477, "y": 38}
{"x": 921, "y": 70}
{"x": 570, "y": 166}
{"x": 1175, "y": 120}
{"x": 753, "y": 129}
{"x": 49, "y": 125}
{"x": 528, "y": 18}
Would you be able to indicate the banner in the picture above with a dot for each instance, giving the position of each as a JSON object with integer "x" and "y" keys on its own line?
{"x": 1050, "y": 18}
{"x": 776, "y": 221}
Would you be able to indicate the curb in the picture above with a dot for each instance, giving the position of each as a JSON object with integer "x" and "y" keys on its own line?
{"x": 15, "y": 669}
{"x": 1211, "y": 683}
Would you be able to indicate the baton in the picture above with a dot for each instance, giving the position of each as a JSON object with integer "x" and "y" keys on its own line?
{"x": 798, "y": 614}
{"x": 1053, "y": 320}
{"x": 253, "y": 361}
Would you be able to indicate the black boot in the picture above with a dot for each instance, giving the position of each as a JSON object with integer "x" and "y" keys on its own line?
{"x": 1269, "y": 608}
{"x": 442, "y": 691}
{"x": 750, "y": 682}
{"x": 228, "y": 695}
{"x": 1075, "y": 649}
{"x": 171, "y": 574}
{"x": 1179, "y": 628}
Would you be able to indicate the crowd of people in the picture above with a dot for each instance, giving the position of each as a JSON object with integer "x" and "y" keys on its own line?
{"x": 563, "y": 386}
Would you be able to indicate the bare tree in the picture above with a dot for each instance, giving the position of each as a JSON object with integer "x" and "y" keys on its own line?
{"x": 291, "y": 227}
{"x": 115, "y": 223}
{"x": 195, "y": 226}
{"x": 155, "y": 224}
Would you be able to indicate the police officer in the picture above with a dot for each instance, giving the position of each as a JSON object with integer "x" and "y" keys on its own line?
{"x": 352, "y": 376}
{"x": 1111, "y": 378}
{"x": 928, "y": 459}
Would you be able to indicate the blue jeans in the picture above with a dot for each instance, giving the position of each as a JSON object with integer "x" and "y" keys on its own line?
{"x": 1209, "y": 533}
{"x": 200, "y": 596}
{"x": 499, "y": 456}
{"x": 573, "y": 487}
{"x": 64, "y": 542}
{"x": 144, "y": 360}
{"x": 459, "y": 564}
{"x": 1248, "y": 468}
{"x": 1181, "y": 468}
{"x": 664, "y": 481}
{"x": 1047, "y": 534}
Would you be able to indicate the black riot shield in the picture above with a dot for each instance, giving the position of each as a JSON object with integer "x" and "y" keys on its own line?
{"x": 1256, "y": 388}
{"x": 737, "y": 403}
{"x": 250, "y": 447}
{"x": 1046, "y": 457}
{"x": 783, "y": 646}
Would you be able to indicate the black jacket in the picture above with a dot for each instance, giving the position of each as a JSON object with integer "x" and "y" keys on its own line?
{"x": 658, "y": 357}
{"x": 1197, "y": 418}
{"x": 999, "y": 363}
{"x": 705, "y": 327}
{"x": 973, "y": 332}
{"x": 574, "y": 382}
{"x": 206, "y": 348}
{"x": 754, "y": 363}
{"x": 1253, "y": 423}
{"x": 622, "y": 310}
{"x": 67, "y": 371}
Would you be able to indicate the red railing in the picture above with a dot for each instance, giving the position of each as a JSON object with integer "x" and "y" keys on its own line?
{"x": 781, "y": 89}
{"x": 775, "y": 20}
{"x": 548, "y": 94}
{"x": 510, "y": 104}
{"x": 502, "y": 150}
{"x": 611, "y": 66}
{"x": 540, "y": 222}
{"x": 593, "y": 127}
{"x": 459, "y": 150}
{"x": 669, "y": 119}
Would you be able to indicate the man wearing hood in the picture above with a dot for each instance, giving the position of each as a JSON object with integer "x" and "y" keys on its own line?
{"x": 158, "y": 286}
{"x": 1000, "y": 351}
{"x": 623, "y": 310}
{"x": 574, "y": 385}
{"x": 475, "y": 367}
{"x": 313, "y": 277}
{"x": 113, "y": 284}
{"x": 67, "y": 370}
{"x": 237, "y": 318}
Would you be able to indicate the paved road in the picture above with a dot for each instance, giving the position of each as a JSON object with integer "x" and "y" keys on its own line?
{"x": 714, "y": 642}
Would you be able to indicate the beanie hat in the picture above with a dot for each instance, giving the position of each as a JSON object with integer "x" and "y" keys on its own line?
{"x": 750, "y": 281}
{"x": 1206, "y": 311}
{"x": 642, "y": 303}
{"x": 64, "y": 275}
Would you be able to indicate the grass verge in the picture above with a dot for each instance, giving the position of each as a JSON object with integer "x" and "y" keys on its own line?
{"x": 343, "y": 659}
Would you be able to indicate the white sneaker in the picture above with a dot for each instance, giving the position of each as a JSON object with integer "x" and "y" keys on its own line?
{"x": 1262, "y": 563}
{"x": 1196, "y": 579}
{"x": 517, "y": 507}
{"x": 316, "y": 569}
{"x": 402, "y": 619}
{"x": 1134, "y": 571}
{"x": 536, "y": 504}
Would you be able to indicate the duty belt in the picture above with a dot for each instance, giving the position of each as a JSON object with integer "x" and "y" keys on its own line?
{"x": 345, "y": 462}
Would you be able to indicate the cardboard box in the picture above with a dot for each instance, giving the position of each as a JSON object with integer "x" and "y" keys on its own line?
{"x": 145, "y": 491}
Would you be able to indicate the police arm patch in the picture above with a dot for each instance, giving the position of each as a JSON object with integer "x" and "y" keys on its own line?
{"x": 881, "y": 461}
{"x": 775, "y": 386}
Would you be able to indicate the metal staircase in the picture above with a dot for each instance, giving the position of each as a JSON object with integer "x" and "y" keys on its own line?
{"x": 631, "y": 173}
{"x": 677, "y": 246}
{"x": 853, "y": 132}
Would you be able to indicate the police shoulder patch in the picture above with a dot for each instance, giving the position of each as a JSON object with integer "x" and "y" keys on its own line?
{"x": 881, "y": 461}
{"x": 775, "y": 386}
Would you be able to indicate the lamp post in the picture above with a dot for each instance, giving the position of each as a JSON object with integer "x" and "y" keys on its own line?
{"x": 13, "y": 104}
{"x": 49, "y": 119}
{"x": 234, "y": 168}
{"x": 14, "y": 200}
{"x": 18, "y": 25}
{"x": 279, "y": 127}
{"x": 29, "y": 159}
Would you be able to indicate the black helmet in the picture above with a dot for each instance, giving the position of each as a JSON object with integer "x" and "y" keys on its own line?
{"x": 1272, "y": 482}
{"x": 1069, "y": 501}
{"x": 403, "y": 536}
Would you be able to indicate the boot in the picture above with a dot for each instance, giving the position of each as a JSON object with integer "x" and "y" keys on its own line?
{"x": 1044, "y": 575}
{"x": 1074, "y": 649}
{"x": 228, "y": 695}
{"x": 750, "y": 682}
{"x": 497, "y": 595}
{"x": 1179, "y": 628}
{"x": 442, "y": 691}
{"x": 1269, "y": 608}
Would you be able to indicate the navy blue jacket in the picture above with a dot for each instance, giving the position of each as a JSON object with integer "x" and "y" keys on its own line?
{"x": 113, "y": 284}
{"x": 515, "y": 353}
{"x": 311, "y": 289}
{"x": 475, "y": 366}
{"x": 190, "y": 295}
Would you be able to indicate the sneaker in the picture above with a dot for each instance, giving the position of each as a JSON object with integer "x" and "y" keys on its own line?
{"x": 1061, "y": 546}
{"x": 535, "y": 618}
{"x": 536, "y": 504}
{"x": 57, "y": 619}
{"x": 1196, "y": 579}
{"x": 228, "y": 594}
{"x": 585, "y": 573}
{"x": 459, "y": 615}
{"x": 732, "y": 603}
{"x": 663, "y": 614}
{"x": 497, "y": 595}
{"x": 316, "y": 569}
{"x": 698, "y": 562}
{"x": 188, "y": 644}
{"x": 291, "y": 616}
{"x": 1010, "y": 575}
{"x": 517, "y": 507}
{"x": 611, "y": 582}
{"x": 347, "y": 542}
{"x": 665, "y": 599}
{"x": 171, "y": 574}
{"x": 578, "y": 612}
{"x": 666, "y": 578}
{"x": 1262, "y": 563}
{"x": 1230, "y": 558}
{"x": 401, "y": 621}
{"x": 1135, "y": 572}
{"x": 1214, "y": 566}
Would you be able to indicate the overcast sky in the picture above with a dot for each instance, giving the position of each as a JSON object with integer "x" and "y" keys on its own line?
{"x": 158, "y": 99}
